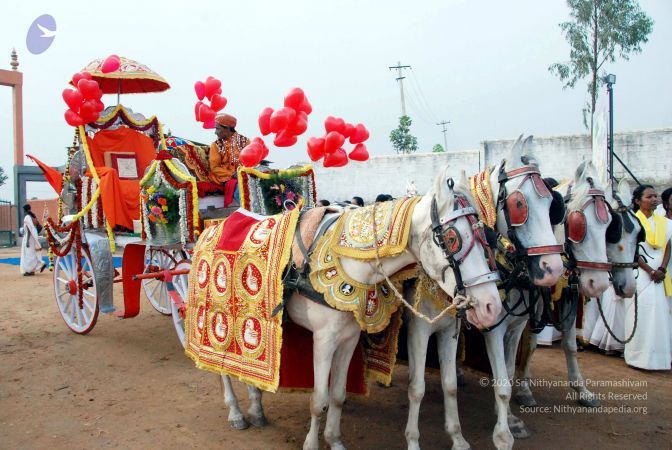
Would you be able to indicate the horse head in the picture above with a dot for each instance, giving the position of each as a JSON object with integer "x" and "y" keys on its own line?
{"x": 446, "y": 238}
{"x": 623, "y": 237}
{"x": 588, "y": 218}
{"x": 525, "y": 207}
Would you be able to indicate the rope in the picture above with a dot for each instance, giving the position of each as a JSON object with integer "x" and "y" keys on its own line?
{"x": 606, "y": 325}
{"x": 460, "y": 302}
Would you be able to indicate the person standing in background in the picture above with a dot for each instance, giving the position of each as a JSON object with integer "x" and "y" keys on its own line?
{"x": 31, "y": 250}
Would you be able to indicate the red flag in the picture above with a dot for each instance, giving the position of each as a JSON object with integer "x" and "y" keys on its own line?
{"x": 52, "y": 175}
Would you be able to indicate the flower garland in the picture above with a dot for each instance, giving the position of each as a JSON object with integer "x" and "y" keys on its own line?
{"x": 194, "y": 195}
{"x": 188, "y": 207}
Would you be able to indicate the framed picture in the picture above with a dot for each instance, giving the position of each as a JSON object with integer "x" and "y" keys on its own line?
{"x": 125, "y": 163}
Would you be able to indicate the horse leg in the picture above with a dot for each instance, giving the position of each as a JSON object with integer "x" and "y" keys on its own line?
{"x": 494, "y": 340}
{"x": 524, "y": 395}
{"x": 256, "y": 409}
{"x": 511, "y": 342}
{"x": 418, "y": 336}
{"x": 338, "y": 381}
{"x": 447, "y": 346}
{"x": 324, "y": 346}
{"x": 576, "y": 381}
{"x": 236, "y": 418}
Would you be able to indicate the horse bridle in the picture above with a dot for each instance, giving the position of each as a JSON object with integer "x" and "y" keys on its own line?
{"x": 576, "y": 227}
{"x": 449, "y": 240}
{"x": 627, "y": 217}
{"x": 515, "y": 198}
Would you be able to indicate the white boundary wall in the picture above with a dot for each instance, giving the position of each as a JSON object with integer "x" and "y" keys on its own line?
{"x": 648, "y": 154}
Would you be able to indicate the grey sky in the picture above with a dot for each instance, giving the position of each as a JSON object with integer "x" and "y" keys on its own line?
{"x": 482, "y": 64}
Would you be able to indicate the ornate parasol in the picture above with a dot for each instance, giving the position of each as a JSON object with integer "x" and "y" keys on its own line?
{"x": 131, "y": 78}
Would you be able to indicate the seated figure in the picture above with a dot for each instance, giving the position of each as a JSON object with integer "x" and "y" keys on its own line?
{"x": 225, "y": 151}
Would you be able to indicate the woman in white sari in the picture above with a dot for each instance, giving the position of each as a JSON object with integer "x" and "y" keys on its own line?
{"x": 651, "y": 347}
{"x": 31, "y": 250}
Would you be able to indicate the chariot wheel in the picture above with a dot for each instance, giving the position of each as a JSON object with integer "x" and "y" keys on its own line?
{"x": 181, "y": 283}
{"x": 155, "y": 289}
{"x": 80, "y": 318}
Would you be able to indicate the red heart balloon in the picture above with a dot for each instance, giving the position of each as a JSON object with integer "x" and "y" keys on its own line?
{"x": 73, "y": 99}
{"x": 212, "y": 86}
{"x": 265, "y": 121}
{"x": 100, "y": 105}
{"x": 360, "y": 135}
{"x": 332, "y": 123}
{"x": 199, "y": 87}
{"x": 197, "y": 110}
{"x": 284, "y": 139}
{"x": 349, "y": 129}
{"x": 88, "y": 109}
{"x": 98, "y": 94}
{"x": 299, "y": 125}
{"x": 209, "y": 124}
{"x": 305, "y": 106}
{"x": 217, "y": 103}
{"x": 359, "y": 153}
{"x": 88, "y": 88}
{"x": 315, "y": 148}
{"x": 294, "y": 97}
{"x": 73, "y": 118}
{"x": 336, "y": 159}
{"x": 111, "y": 64}
{"x": 78, "y": 76}
{"x": 207, "y": 114}
{"x": 281, "y": 118}
{"x": 250, "y": 156}
{"x": 333, "y": 141}
{"x": 260, "y": 142}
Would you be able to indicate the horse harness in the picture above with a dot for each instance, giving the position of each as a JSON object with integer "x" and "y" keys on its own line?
{"x": 448, "y": 239}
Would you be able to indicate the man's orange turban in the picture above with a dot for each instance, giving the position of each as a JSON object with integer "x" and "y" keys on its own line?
{"x": 226, "y": 119}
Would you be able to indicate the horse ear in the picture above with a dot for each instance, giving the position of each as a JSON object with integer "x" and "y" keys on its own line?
{"x": 580, "y": 173}
{"x": 463, "y": 178}
{"x": 527, "y": 156}
{"x": 625, "y": 191}
{"x": 514, "y": 161}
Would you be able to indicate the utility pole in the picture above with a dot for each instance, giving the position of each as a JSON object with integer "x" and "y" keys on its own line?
{"x": 445, "y": 142}
{"x": 399, "y": 67}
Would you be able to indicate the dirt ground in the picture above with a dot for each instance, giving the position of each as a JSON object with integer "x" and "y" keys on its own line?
{"x": 128, "y": 385}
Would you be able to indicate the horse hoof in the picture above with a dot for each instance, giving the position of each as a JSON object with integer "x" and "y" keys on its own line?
{"x": 259, "y": 421}
{"x": 525, "y": 400}
{"x": 239, "y": 424}
{"x": 520, "y": 431}
{"x": 589, "y": 402}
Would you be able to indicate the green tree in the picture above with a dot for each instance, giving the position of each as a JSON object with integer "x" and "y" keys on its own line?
{"x": 438, "y": 148}
{"x": 402, "y": 139}
{"x": 3, "y": 177}
{"x": 600, "y": 31}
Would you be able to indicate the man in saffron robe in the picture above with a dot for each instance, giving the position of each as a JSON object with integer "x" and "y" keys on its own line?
{"x": 225, "y": 151}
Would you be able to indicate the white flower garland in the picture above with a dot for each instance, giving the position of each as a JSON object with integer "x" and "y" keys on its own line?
{"x": 85, "y": 199}
{"x": 94, "y": 207}
{"x": 184, "y": 228}
{"x": 145, "y": 220}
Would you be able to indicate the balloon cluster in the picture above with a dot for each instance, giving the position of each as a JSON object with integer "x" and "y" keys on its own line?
{"x": 289, "y": 121}
{"x": 84, "y": 105}
{"x": 111, "y": 64}
{"x": 330, "y": 146}
{"x": 212, "y": 90}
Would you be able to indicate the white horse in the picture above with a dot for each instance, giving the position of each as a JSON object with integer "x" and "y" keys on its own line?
{"x": 336, "y": 333}
{"x": 621, "y": 250}
{"x": 535, "y": 232}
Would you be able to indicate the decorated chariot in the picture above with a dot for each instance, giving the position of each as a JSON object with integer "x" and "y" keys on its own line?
{"x": 131, "y": 191}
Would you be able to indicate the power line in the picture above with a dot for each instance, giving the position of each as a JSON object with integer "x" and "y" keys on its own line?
{"x": 400, "y": 79}
{"x": 416, "y": 81}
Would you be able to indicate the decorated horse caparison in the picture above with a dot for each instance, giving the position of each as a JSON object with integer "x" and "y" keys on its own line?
{"x": 236, "y": 301}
